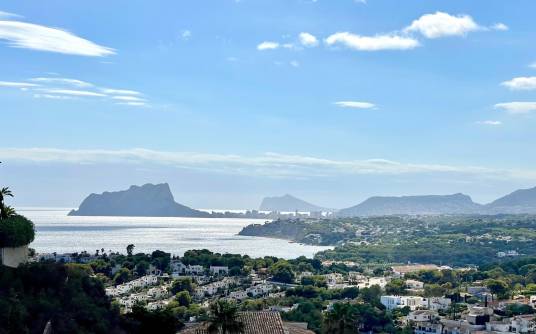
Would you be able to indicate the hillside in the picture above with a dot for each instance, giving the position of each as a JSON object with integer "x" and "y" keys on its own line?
{"x": 414, "y": 205}
{"x": 520, "y": 201}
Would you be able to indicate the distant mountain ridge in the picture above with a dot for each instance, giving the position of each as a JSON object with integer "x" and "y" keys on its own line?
{"x": 288, "y": 203}
{"x": 520, "y": 201}
{"x": 149, "y": 200}
{"x": 414, "y": 205}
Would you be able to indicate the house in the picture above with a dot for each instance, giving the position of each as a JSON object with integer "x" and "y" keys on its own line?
{"x": 238, "y": 295}
{"x": 219, "y": 270}
{"x": 195, "y": 269}
{"x": 392, "y": 302}
{"x": 263, "y": 322}
{"x": 259, "y": 290}
{"x": 436, "y": 303}
{"x": 517, "y": 324}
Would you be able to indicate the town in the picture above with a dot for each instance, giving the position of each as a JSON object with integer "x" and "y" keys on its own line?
{"x": 321, "y": 296}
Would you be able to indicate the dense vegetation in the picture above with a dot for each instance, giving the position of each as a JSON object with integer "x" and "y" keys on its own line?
{"x": 450, "y": 240}
{"x": 70, "y": 299}
{"x": 16, "y": 231}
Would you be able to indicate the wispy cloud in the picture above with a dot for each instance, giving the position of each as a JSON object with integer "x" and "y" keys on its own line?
{"x": 7, "y": 15}
{"x": 521, "y": 83}
{"x": 442, "y": 24}
{"x": 119, "y": 91}
{"x": 267, "y": 165}
{"x": 58, "y": 88}
{"x": 517, "y": 107}
{"x": 17, "y": 84}
{"x": 355, "y": 104}
{"x": 372, "y": 43}
{"x": 490, "y": 122}
{"x": 268, "y": 46}
{"x": 533, "y": 65}
{"x": 37, "y": 37}
{"x": 62, "y": 81}
{"x": 128, "y": 98}
{"x": 72, "y": 92}
{"x": 186, "y": 35}
{"x": 308, "y": 40}
{"x": 500, "y": 27}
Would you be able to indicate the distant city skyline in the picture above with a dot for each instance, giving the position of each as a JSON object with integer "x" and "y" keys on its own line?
{"x": 332, "y": 102}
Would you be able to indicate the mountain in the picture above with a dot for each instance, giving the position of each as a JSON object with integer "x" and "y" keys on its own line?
{"x": 149, "y": 200}
{"x": 288, "y": 203}
{"x": 414, "y": 205}
{"x": 520, "y": 201}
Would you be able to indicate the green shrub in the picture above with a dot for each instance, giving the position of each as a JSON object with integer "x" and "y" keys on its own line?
{"x": 16, "y": 231}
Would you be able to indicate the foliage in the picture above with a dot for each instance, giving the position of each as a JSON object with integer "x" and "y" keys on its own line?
{"x": 282, "y": 272}
{"x": 183, "y": 298}
{"x": 183, "y": 284}
{"x": 142, "y": 321}
{"x": 16, "y": 231}
{"x": 224, "y": 318}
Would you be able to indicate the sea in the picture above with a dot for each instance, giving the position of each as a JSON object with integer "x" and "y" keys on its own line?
{"x": 60, "y": 233}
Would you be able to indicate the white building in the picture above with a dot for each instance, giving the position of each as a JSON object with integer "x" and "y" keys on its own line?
{"x": 195, "y": 269}
{"x": 392, "y": 302}
{"x": 259, "y": 290}
{"x": 219, "y": 270}
{"x": 238, "y": 295}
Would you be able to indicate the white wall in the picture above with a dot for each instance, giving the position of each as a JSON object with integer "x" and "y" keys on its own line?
{"x": 12, "y": 257}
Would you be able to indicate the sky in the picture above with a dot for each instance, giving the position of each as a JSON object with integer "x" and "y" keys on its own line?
{"x": 232, "y": 100}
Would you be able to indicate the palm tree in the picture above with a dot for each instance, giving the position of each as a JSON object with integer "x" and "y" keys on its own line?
{"x": 5, "y": 212}
{"x": 224, "y": 318}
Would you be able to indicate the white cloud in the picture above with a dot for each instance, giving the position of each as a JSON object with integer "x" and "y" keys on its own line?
{"x": 267, "y": 46}
{"x": 443, "y": 24}
{"x": 17, "y": 84}
{"x": 490, "y": 122}
{"x": 517, "y": 107}
{"x": 355, "y": 104}
{"x": 372, "y": 43}
{"x": 6, "y": 15}
{"x": 72, "y": 92}
{"x": 128, "y": 98}
{"x": 533, "y": 65}
{"x": 65, "y": 81}
{"x": 308, "y": 40}
{"x": 133, "y": 104}
{"x": 38, "y": 37}
{"x": 53, "y": 97}
{"x": 268, "y": 164}
{"x": 500, "y": 27}
{"x": 521, "y": 83}
{"x": 119, "y": 91}
{"x": 186, "y": 35}
{"x": 294, "y": 63}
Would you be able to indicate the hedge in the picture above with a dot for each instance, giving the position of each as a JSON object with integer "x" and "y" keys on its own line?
{"x": 16, "y": 231}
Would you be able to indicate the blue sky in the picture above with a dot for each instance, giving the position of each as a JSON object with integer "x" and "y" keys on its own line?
{"x": 230, "y": 101}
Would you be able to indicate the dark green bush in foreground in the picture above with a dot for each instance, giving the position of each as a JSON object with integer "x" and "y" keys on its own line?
{"x": 16, "y": 231}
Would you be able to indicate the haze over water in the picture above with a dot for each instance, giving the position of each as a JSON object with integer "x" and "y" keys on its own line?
{"x": 57, "y": 232}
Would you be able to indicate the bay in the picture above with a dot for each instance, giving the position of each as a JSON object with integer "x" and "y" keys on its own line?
{"x": 57, "y": 232}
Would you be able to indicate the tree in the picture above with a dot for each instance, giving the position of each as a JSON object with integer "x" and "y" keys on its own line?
{"x": 122, "y": 276}
{"x": 282, "y": 272}
{"x": 340, "y": 319}
{"x": 5, "y": 211}
{"x": 183, "y": 284}
{"x": 142, "y": 267}
{"x": 497, "y": 287}
{"x": 224, "y": 318}
{"x": 183, "y": 298}
{"x": 130, "y": 249}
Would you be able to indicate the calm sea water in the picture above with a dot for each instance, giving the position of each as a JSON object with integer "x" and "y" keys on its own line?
{"x": 57, "y": 232}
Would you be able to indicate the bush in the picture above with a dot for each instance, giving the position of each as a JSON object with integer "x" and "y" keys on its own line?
{"x": 16, "y": 231}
